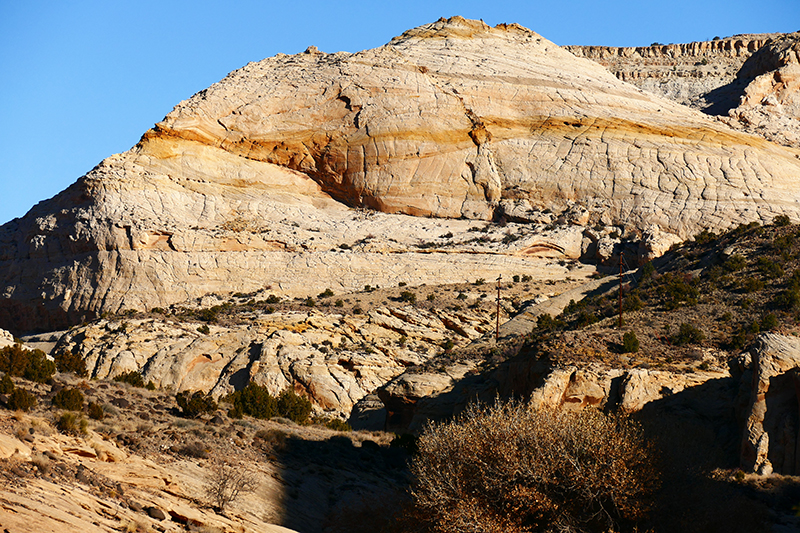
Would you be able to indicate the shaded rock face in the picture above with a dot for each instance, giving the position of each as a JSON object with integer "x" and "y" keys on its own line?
{"x": 772, "y": 421}
{"x": 251, "y": 182}
{"x": 412, "y": 399}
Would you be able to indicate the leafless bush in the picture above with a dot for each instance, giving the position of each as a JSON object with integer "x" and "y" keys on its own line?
{"x": 226, "y": 482}
{"x": 507, "y": 468}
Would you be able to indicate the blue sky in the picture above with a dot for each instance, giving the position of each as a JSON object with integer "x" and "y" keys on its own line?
{"x": 81, "y": 80}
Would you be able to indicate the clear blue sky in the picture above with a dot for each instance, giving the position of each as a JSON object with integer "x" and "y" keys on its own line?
{"x": 82, "y": 79}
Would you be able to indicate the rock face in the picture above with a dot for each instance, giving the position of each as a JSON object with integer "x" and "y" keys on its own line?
{"x": 687, "y": 73}
{"x": 772, "y": 420}
{"x": 334, "y": 359}
{"x": 750, "y": 81}
{"x": 414, "y": 398}
{"x": 254, "y": 181}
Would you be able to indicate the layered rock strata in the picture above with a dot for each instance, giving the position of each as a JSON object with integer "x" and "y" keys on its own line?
{"x": 750, "y": 81}
{"x": 248, "y": 183}
{"x": 687, "y": 73}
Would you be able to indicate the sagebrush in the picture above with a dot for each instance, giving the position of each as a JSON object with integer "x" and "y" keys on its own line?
{"x": 508, "y": 468}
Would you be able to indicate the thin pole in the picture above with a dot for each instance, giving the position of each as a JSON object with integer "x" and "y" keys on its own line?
{"x": 497, "y": 327}
{"x": 620, "y": 289}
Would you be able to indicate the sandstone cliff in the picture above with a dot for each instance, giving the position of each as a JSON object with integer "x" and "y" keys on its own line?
{"x": 749, "y": 81}
{"x": 253, "y": 182}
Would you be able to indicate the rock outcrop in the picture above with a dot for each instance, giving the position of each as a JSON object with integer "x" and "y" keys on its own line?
{"x": 749, "y": 81}
{"x": 336, "y": 360}
{"x": 414, "y": 398}
{"x": 688, "y": 73}
{"x": 770, "y": 442}
{"x": 255, "y": 181}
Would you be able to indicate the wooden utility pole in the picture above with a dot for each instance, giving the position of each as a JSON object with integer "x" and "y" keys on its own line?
{"x": 497, "y": 327}
{"x": 620, "y": 289}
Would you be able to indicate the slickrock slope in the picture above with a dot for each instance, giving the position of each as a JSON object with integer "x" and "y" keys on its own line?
{"x": 143, "y": 468}
{"x": 251, "y": 182}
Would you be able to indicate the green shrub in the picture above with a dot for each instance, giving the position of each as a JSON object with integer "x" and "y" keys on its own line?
{"x": 67, "y": 361}
{"x": 72, "y": 424}
{"x": 273, "y": 299}
{"x": 21, "y": 400}
{"x": 194, "y": 404}
{"x": 705, "y": 237}
{"x": 509, "y": 468}
{"x": 309, "y": 302}
{"x": 150, "y": 385}
{"x": 688, "y": 334}
{"x": 734, "y": 263}
{"x": 585, "y": 318}
{"x": 293, "y": 406}
{"x": 6, "y": 385}
{"x": 96, "y": 411}
{"x": 131, "y": 378}
{"x": 408, "y": 296}
{"x": 32, "y": 365}
{"x": 339, "y": 303}
{"x": 545, "y": 322}
{"x": 431, "y": 297}
{"x": 325, "y": 294}
{"x": 40, "y": 368}
{"x": 752, "y": 285}
{"x": 781, "y": 220}
{"x": 783, "y": 243}
{"x": 768, "y": 322}
{"x": 336, "y": 424}
{"x": 630, "y": 344}
{"x": 69, "y": 399}
{"x": 253, "y": 400}
{"x": 769, "y": 268}
{"x": 204, "y": 329}
{"x": 677, "y": 290}
{"x": 210, "y": 314}
{"x": 632, "y": 302}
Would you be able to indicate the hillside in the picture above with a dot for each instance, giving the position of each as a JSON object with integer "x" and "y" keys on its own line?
{"x": 313, "y": 171}
{"x": 691, "y": 395}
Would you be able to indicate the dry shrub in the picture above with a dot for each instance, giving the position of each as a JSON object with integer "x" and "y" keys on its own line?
{"x": 41, "y": 462}
{"x": 194, "y": 449}
{"x": 227, "y": 481}
{"x": 71, "y": 423}
{"x": 508, "y": 468}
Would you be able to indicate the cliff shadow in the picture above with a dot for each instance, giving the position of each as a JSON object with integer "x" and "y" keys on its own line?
{"x": 698, "y": 434}
{"x": 336, "y": 486}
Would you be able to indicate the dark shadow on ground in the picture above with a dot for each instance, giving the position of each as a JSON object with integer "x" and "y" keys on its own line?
{"x": 335, "y": 486}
